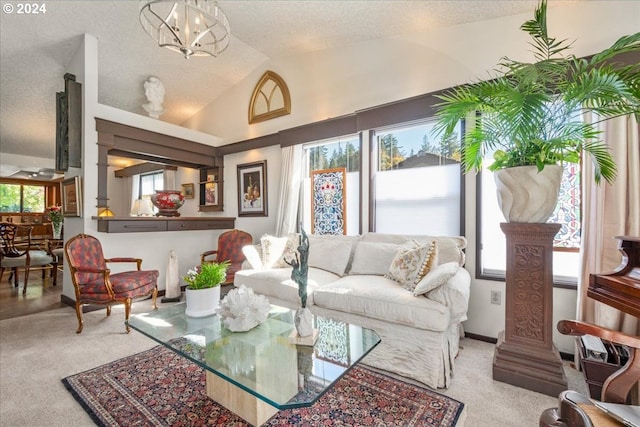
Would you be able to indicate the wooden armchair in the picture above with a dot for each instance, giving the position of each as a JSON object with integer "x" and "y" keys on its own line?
{"x": 17, "y": 252}
{"x": 620, "y": 387}
{"x": 230, "y": 244}
{"x": 94, "y": 283}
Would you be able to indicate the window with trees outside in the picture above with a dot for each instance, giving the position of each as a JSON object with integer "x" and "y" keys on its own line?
{"x": 20, "y": 198}
{"x": 330, "y": 154}
{"x": 417, "y": 181}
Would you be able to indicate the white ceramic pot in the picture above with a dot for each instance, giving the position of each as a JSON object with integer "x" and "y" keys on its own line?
{"x": 202, "y": 302}
{"x": 526, "y": 195}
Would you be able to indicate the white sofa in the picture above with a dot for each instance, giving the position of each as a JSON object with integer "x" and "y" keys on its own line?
{"x": 419, "y": 334}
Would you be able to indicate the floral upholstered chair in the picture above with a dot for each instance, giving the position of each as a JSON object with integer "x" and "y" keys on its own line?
{"x": 94, "y": 283}
{"x": 18, "y": 252}
{"x": 230, "y": 244}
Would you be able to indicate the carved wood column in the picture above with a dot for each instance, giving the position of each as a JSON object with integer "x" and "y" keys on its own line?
{"x": 525, "y": 355}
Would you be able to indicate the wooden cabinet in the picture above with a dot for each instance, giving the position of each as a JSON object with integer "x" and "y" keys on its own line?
{"x": 211, "y": 189}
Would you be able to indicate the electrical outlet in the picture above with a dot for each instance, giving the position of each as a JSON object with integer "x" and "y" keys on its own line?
{"x": 496, "y": 297}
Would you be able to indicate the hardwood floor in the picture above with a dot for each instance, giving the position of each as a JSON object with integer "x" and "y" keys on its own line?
{"x": 41, "y": 294}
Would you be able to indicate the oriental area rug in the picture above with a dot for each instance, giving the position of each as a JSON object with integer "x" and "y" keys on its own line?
{"x": 160, "y": 388}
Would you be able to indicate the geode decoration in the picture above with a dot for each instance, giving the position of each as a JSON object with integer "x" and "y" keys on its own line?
{"x": 242, "y": 310}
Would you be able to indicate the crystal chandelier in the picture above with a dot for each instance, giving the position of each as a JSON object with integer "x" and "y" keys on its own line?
{"x": 191, "y": 27}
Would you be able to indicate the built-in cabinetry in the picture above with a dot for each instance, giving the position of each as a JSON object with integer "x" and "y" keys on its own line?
{"x": 148, "y": 224}
{"x": 211, "y": 189}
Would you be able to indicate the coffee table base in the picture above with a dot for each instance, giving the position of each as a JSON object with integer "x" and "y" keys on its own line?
{"x": 238, "y": 401}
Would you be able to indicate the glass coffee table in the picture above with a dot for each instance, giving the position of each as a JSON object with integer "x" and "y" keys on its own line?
{"x": 259, "y": 372}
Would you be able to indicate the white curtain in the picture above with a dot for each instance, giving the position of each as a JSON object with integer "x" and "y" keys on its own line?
{"x": 609, "y": 211}
{"x": 289, "y": 190}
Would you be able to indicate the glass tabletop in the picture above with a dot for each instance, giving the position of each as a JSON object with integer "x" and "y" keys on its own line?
{"x": 262, "y": 361}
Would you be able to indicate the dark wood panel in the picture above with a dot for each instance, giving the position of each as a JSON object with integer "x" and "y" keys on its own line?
{"x": 153, "y": 224}
{"x": 225, "y": 223}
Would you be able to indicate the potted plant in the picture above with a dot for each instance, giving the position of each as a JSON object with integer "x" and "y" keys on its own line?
{"x": 203, "y": 288}
{"x": 530, "y": 117}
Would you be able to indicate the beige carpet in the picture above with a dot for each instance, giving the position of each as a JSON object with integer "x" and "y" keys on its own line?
{"x": 38, "y": 350}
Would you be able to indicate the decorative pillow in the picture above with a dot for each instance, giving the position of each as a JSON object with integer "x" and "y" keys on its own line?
{"x": 252, "y": 254}
{"x": 272, "y": 250}
{"x": 436, "y": 278}
{"x": 373, "y": 258}
{"x": 330, "y": 254}
{"x": 411, "y": 264}
{"x": 290, "y": 250}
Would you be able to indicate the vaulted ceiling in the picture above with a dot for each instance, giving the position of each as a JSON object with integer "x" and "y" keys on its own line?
{"x": 36, "y": 48}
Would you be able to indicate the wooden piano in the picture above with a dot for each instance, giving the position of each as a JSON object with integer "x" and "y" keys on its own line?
{"x": 620, "y": 288}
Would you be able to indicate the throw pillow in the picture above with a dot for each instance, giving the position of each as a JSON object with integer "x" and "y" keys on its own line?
{"x": 252, "y": 254}
{"x": 373, "y": 258}
{"x": 436, "y": 278}
{"x": 290, "y": 250}
{"x": 272, "y": 250}
{"x": 411, "y": 264}
{"x": 330, "y": 254}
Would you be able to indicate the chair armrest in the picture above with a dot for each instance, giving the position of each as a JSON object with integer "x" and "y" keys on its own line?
{"x": 92, "y": 270}
{"x": 577, "y": 327}
{"x": 138, "y": 261}
{"x": 206, "y": 254}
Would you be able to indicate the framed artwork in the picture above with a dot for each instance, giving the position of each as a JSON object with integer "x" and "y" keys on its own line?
{"x": 71, "y": 190}
{"x": 211, "y": 194}
{"x": 328, "y": 201}
{"x": 252, "y": 189}
{"x": 188, "y": 191}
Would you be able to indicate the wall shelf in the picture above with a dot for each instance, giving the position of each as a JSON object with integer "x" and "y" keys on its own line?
{"x": 151, "y": 224}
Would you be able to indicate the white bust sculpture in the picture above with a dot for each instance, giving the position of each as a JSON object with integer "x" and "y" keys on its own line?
{"x": 154, "y": 91}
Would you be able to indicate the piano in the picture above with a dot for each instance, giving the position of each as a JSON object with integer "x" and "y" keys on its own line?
{"x": 620, "y": 288}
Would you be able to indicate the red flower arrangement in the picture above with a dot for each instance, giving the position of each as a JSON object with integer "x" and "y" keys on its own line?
{"x": 55, "y": 214}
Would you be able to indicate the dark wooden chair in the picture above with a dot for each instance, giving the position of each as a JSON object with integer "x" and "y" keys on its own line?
{"x": 230, "y": 244}
{"x": 94, "y": 283}
{"x": 18, "y": 252}
{"x": 572, "y": 410}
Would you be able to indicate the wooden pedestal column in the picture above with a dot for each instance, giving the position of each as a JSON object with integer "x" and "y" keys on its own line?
{"x": 525, "y": 355}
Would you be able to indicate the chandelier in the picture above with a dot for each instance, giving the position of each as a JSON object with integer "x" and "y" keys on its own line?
{"x": 191, "y": 27}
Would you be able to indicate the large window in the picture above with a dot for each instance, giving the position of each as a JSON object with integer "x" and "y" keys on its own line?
{"x": 20, "y": 198}
{"x": 335, "y": 153}
{"x": 417, "y": 181}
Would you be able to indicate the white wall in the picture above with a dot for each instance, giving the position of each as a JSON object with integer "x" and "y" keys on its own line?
{"x": 329, "y": 84}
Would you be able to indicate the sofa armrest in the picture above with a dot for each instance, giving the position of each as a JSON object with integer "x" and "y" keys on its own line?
{"x": 454, "y": 294}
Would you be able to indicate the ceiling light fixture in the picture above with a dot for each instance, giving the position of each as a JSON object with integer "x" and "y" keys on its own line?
{"x": 191, "y": 27}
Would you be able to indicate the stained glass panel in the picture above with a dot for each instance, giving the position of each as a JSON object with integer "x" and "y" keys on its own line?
{"x": 567, "y": 211}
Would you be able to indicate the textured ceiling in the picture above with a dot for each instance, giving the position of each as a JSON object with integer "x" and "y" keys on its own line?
{"x": 34, "y": 50}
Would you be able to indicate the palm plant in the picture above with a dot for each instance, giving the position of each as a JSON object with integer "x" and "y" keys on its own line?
{"x": 531, "y": 113}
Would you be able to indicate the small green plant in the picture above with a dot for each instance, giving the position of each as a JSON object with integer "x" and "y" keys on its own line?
{"x": 207, "y": 275}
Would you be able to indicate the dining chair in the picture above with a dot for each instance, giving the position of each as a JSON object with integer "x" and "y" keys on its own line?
{"x": 95, "y": 284}
{"x": 17, "y": 252}
{"x": 230, "y": 244}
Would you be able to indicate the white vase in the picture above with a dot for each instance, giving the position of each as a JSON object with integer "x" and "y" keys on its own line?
{"x": 526, "y": 195}
{"x": 202, "y": 302}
